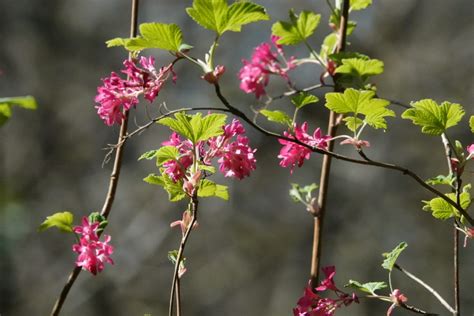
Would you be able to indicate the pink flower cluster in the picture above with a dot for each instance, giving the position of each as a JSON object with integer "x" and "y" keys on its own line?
{"x": 117, "y": 95}
{"x": 235, "y": 157}
{"x": 255, "y": 74}
{"x": 293, "y": 154}
{"x": 92, "y": 252}
{"x": 312, "y": 304}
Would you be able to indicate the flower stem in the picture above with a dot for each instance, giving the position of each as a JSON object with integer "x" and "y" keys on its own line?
{"x": 114, "y": 177}
{"x": 194, "y": 208}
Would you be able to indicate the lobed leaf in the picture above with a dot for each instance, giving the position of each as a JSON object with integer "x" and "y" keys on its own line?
{"x": 208, "y": 188}
{"x": 181, "y": 124}
{"x": 277, "y": 116}
{"x": 149, "y": 155}
{"x": 392, "y": 256}
{"x": 61, "y": 220}
{"x": 302, "y": 194}
{"x": 434, "y": 119}
{"x": 355, "y": 5}
{"x": 441, "y": 209}
{"x": 369, "y": 287}
{"x": 300, "y": 28}
{"x": 166, "y": 153}
{"x": 302, "y": 99}
{"x": 360, "y": 103}
{"x": 217, "y": 16}
{"x": 209, "y": 126}
{"x": 360, "y": 67}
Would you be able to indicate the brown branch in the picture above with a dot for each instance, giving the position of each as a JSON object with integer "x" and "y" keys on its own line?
{"x": 114, "y": 177}
{"x": 427, "y": 287}
{"x": 194, "y": 208}
{"x": 326, "y": 164}
{"x": 366, "y": 161}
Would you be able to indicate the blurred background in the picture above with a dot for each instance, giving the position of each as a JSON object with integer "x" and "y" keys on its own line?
{"x": 250, "y": 255}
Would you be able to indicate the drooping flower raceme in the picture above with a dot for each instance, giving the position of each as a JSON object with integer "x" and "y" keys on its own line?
{"x": 312, "y": 304}
{"x": 255, "y": 74}
{"x": 93, "y": 253}
{"x": 292, "y": 154}
{"x": 235, "y": 157}
{"x": 117, "y": 94}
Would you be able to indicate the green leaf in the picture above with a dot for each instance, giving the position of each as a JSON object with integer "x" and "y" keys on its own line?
{"x": 154, "y": 179}
{"x": 360, "y": 67}
{"x": 471, "y": 123}
{"x": 392, "y": 256}
{"x": 209, "y": 126}
{"x": 174, "y": 189}
{"x": 441, "y": 179}
{"x": 208, "y": 188}
{"x": 355, "y": 5}
{"x": 181, "y": 124}
{"x": 156, "y": 35}
{"x": 62, "y": 220}
{"x": 277, "y": 116}
{"x": 441, "y": 209}
{"x": 328, "y": 46}
{"x": 222, "y": 192}
{"x": 302, "y": 99}
{"x": 6, "y": 104}
{"x": 173, "y": 257}
{"x": 26, "y": 102}
{"x": 300, "y": 28}
{"x": 149, "y": 155}
{"x": 302, "y": 194}
{"x": 207, "y": 168}
{"x": 217, "y": 16}
{"x": 241, "y": 13}
{"x": 165, "y": 154}
{"x": 116, "y": 42}
{"x": 338, "y": 57}
{"x": 353, "y": 123}
{"x": 360, "y": 103}
{"x": 433, "y": 118}
{"x": 5, "y": 113}
{"x": 369, "y": 287}
{"x": 195, "y": 127}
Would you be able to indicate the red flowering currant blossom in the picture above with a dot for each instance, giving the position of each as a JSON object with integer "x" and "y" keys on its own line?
{"x": 293, "y": 154}
{"x": 93, "y": 253}
{"x": 312, "y": 304}
{"x": 255, "y": 74}
{"x": 235, "y": 157}
{"x": 117, "y": 95}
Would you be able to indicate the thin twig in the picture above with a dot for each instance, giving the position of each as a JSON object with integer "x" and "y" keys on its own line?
{"x": 427, "y": 287}
{"x": 452, "y": 172}
{"x": 112, "y": 183}
{"x": 178, "y": 296}
{"x": 194, "y": 208}
{"x": 416, "y": 310}
{"x": 366, "y": 161}
{"x": 140, "y": 129}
